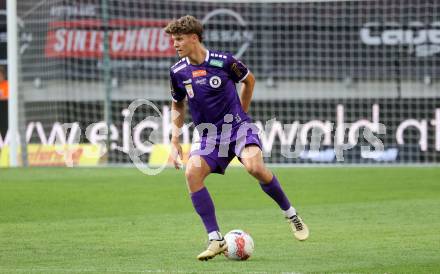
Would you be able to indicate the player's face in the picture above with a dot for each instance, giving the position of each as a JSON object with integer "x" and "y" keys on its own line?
{"x": 184, "y": 43}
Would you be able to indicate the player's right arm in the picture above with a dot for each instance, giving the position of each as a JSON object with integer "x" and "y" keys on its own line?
{"x": 177, "y": 118}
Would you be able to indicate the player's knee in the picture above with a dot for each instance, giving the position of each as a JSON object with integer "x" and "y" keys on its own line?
{"x": 191, "y": 175}
{"x": 194, "y": 180}
{"x": 194, "y": 174}
{"x": 256, "y": 170}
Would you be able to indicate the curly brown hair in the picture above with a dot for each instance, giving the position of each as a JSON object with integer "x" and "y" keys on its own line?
{"x": 185, "y": 25}
{"x": 3, "y": 71}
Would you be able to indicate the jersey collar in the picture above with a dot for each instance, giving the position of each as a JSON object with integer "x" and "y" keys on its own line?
{"x": 206, "y": 58}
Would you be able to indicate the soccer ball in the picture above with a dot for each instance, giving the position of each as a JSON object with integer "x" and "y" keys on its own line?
{"x": 240, "y": 245}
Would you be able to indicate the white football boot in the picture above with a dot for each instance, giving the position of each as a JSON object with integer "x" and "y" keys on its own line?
{"x": 215, "y": 247}
{"x": 299, "y": 228}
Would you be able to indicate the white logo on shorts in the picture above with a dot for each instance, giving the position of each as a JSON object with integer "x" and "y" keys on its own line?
{"x": 215, "y": 81}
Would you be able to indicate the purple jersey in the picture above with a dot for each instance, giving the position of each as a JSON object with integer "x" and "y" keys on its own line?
{"x": 210, "y": 88}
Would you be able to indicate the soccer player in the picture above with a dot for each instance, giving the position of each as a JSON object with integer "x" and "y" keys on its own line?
{"x": 207, "y": 79}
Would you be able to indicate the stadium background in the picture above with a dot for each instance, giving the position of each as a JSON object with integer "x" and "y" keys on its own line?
{"x": 308, "y": 57}
{"x": 320, "y": 62}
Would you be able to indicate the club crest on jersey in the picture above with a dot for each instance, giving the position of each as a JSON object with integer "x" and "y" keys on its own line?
{"x": 198, "y": 73}
{"x": 215, "y": 81}
{"x": 216, "y": 63}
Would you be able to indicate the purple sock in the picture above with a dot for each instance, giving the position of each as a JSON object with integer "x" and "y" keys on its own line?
{"x": 204, "y": 206}
{"x": 274, "y": 190}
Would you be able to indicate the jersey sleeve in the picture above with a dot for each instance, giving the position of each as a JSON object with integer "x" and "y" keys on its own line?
{"x": 236, "y": 69}
{"x": 177, "y": 94}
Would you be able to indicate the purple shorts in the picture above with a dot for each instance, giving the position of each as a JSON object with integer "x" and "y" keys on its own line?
{"x": 219, "y": 153}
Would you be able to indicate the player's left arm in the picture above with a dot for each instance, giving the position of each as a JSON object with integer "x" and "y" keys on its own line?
{"x": 246, "y": 91}
{"x": 239, "y": 73}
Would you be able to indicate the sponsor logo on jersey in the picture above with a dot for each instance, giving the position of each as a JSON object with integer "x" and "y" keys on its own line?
{"x": 201, "y": 81}
{"x": 198, "y": 73}
{"x": 189, "y": 81}
{"x": 216, "y": 63}
{"x": 189, "y": 90}
{"x": 215, "y": 81}
{"x": 236, "y": 70}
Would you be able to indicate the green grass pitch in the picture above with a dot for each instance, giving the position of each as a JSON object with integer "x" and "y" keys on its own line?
{"x": 116, "y": 220}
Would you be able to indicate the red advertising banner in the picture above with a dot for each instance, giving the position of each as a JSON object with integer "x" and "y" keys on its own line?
{"x": 127, "y": 39}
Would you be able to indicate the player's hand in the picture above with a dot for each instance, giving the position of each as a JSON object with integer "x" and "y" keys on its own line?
{"x": 176, "y": 154}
